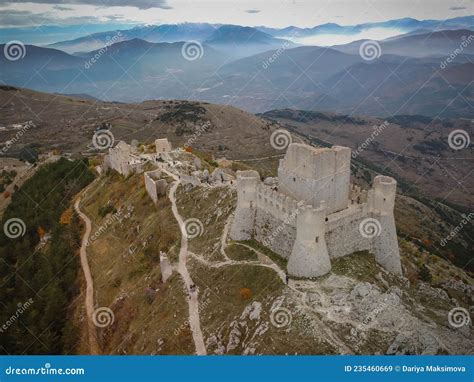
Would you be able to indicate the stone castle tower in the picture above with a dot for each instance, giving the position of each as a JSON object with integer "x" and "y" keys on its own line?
{"x": 316, "y": 215}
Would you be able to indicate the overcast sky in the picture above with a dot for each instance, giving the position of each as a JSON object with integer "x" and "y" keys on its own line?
{"x": 276, "y": 13}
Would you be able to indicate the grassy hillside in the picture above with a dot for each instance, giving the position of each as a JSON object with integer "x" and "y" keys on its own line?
{"x": 149, "y": 315}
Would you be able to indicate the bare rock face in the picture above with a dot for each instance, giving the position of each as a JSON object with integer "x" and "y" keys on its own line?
{"x": 414, "y": 342}
{"x": 220, "y": 176}
{"x": 373, "y": 307}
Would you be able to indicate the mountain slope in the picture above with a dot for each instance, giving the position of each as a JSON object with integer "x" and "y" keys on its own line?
{"x": 68, "y": 124}
{"x": 356, "y": 309}
{"x": 407, "y": 88}
{"x": 237, "y": 41}
{"x": 303, "y": 77}
{"x": 202, "y": 31}
{"x": 150, "y": 33}
{"x": 134, "y": 67}
{"x": 438, "y": 44}
{"x": 404, "y": 25}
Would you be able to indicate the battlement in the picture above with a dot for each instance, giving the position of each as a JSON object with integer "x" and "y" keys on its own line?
{"x": 314, "y": 214}
{"x": 279, "y": 205}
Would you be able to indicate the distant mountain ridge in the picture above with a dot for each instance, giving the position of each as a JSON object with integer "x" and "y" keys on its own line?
{"x": 257, "y": 72}
{"x": 203, "y": 31}
{"x": 238, "y": 41}
{"x": 432, "y": 44}
{"x": 150, "y": 33}
{"x": 406, "y": 25}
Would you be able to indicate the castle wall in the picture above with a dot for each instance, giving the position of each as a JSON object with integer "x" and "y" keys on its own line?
{"x": 274, "y": 233}
{"x": 275, "y": 220}
{"x": 342, "y": 232}
{"x": 150, "y": 184}
{"x": 118, "y": 158}
{"x": 309, "y": 234}
{"x": 313, "y": 175}
{"x": 155, "y": 187}
{"x": 244, "y": 219}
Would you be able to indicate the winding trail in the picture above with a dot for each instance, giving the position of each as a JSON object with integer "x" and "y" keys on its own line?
{"x": 194, "y": 321}
{"x": 89, "y": 301}
{"x": 263, "y": 261}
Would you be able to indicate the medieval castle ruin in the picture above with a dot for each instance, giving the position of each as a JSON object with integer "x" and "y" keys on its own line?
{"x": 314, "y": 215}
{"x": 309, "y": 215}
{"x": 125, "y": 158}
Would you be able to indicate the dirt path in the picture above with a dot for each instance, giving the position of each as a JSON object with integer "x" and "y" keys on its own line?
{"x": 89, "y": 301}
{"x": 194, "y": 321}
{"x": 263, "y": 261}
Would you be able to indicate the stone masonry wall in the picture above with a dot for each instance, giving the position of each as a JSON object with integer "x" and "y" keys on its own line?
{"x": 342, "y": 232}
{"x": 275, "y": 233}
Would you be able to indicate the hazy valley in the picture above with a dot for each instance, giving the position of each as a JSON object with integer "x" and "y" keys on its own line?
{"x": 125, "y": 160}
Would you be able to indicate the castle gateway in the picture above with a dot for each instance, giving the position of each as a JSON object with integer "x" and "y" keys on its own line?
{"x": 315, "y": 215}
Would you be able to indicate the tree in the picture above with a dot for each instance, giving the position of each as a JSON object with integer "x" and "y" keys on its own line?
{"x": 425, "y": 274}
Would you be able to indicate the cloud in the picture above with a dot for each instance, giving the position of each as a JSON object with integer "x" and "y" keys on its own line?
{"x": 115, "y": 18}
{"x": 457, "y": 8}
{"x": 14, "y": 18}
{"x": 61, "y": 8}
{"x": 141, "y": 4}
{"x": 253, "y": 11}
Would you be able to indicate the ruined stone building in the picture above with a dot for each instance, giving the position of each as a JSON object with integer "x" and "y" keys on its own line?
{"x": 125, "y": 158}
{"x": 314, "y": 215}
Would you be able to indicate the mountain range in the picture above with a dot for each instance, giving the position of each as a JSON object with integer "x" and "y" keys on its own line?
{"x": 204, "y": 31}
{"x": 420, "y": 72}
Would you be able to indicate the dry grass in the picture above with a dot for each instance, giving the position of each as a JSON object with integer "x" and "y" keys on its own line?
{"x": 212, "y": 206}
{"x": 124, "y": 261}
